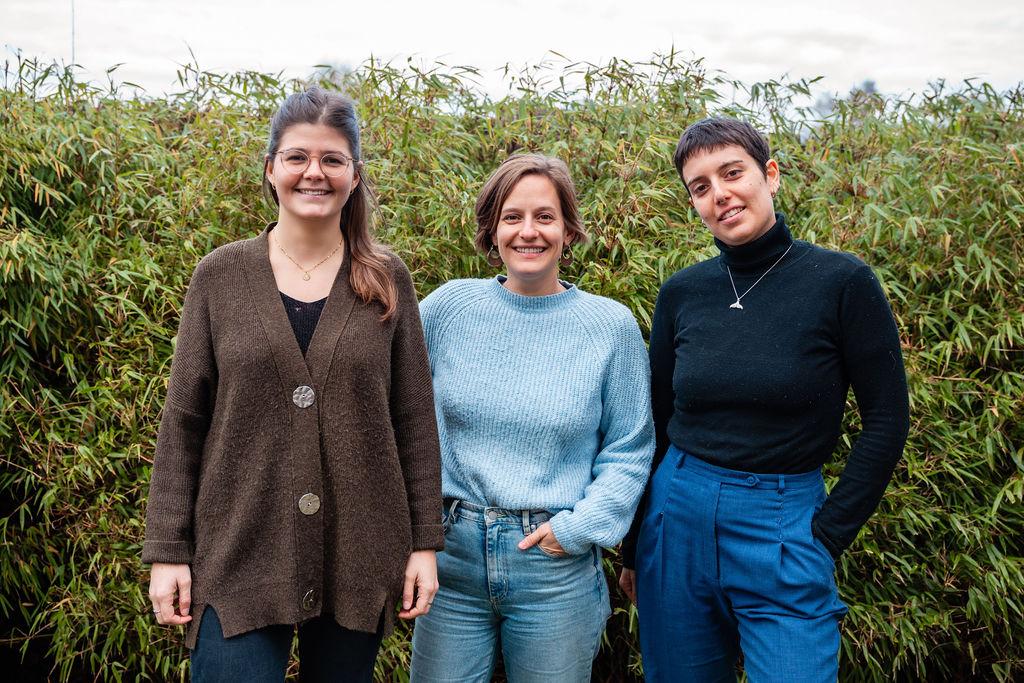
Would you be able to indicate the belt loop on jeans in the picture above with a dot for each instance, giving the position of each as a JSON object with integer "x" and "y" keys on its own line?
{"x": 681, "y": 460}
{"x": 527, "y": 530}
{"x": 451, "y": 510}
{"x": 782, "y": 483}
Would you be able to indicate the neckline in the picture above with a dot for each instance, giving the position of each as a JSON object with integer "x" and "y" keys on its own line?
{"x": 546, "y": 302}
{"x": 295, "y": 368}
{"x": 293, "y": 300}
{"x": 759, "y": 253}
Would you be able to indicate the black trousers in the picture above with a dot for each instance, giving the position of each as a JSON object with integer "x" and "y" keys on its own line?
{"x": 327, "y": 652}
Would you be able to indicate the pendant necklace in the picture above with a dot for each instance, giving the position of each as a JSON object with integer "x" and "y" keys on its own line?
{"x": 306, "y": 273}
{"x": 737, "y": 304}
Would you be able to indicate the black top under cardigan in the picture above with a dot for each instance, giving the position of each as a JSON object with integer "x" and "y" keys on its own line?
{"x": 303, "y": 315}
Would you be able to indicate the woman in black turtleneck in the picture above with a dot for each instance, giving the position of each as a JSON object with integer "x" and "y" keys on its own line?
{"x": 752, "y": 355}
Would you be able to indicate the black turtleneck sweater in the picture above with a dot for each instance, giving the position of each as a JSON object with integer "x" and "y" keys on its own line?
{"x": 763, "y": 388}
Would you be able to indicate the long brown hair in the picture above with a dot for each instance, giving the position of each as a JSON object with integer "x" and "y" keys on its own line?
{"x": 371, "y": 272}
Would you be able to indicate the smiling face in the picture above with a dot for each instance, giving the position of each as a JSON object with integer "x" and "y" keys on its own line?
{"x": 311, "y": 196}
{"x": 530, "y": 236}
{"x": 731, "y": 193}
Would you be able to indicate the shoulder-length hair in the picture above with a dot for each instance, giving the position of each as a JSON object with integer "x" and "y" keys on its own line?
{"x": 500, "y": 185}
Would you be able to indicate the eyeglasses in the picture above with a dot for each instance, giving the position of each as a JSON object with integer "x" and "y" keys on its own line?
{"x": 332, "y": 164}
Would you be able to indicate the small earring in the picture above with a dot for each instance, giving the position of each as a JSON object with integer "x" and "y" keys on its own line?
{"x": 566, "y": 255}
{"x": 493, "y": 257}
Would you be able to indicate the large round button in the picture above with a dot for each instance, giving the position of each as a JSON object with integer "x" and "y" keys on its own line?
{"x": 308, "y": 600}
{"x": 309, "y": 503}
{"x": 492, "y": 515}
{"x": 303, "y": 396}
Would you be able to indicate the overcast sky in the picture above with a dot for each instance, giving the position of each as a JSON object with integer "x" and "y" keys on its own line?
{"x": 900, "y": 44}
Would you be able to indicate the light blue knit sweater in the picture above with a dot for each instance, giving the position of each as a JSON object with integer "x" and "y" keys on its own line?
{"x": 542, "y": 402}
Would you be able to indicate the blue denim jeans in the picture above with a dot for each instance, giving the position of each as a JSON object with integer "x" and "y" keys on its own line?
{"x": 726, "y": 562}
{"x": 547, "y": 613}
{"x": 327, "y": 652}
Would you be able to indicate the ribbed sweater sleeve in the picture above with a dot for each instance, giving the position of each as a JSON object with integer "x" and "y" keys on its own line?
{"x": 622, "y": 464}
{"x": 870, "y": 348}
{"x": 183, "y": 426}
{"x": 412, "y": 417}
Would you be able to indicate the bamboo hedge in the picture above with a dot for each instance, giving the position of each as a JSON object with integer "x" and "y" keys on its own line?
{"x": 108, "y": 198}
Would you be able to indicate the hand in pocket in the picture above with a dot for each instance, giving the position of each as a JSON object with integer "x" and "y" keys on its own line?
{"x": 545, "y": 539}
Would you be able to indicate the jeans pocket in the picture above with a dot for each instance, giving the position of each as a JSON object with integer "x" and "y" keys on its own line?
{"x": 551, "y": 554}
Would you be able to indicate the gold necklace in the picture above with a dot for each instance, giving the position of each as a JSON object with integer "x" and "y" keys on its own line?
{"x": 306, "y": 272}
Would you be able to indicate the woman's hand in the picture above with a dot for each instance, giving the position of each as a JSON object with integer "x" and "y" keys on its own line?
{"x": 627, "y": 582}
{"x": 420, "y": 583}
{"x": 165, "y": 582}
{"x": 545, "y": 538}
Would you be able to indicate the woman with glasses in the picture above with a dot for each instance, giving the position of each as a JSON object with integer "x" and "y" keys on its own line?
{"x": 546, "y": 437}
{"x": 296, "y": 479}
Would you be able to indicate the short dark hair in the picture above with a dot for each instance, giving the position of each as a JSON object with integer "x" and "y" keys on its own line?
{"x": 500, "y": 185}
{"x": 716, "y": 132}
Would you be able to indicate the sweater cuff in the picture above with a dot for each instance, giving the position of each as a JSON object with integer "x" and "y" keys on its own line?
{"x": 427, "y": 537}
{"x": 167, "y": 552}
{"x": 570, "y": 542}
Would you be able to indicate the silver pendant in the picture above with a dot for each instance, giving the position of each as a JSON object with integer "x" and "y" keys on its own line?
{"x": 737, "y": 304}
{"x": 305, "y": 276}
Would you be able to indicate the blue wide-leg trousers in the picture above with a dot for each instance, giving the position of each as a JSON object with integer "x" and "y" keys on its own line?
{"x": 726, "y": 562}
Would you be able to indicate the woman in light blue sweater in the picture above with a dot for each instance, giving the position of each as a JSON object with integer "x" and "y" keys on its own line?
{"x": 543, "y": 407}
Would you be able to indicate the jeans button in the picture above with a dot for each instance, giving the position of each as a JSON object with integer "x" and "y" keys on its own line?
{"x": 751, "y": 480}
{"x": 491, "y": 515}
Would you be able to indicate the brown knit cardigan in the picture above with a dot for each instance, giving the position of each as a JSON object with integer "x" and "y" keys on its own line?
{"x": 236, "y": 452}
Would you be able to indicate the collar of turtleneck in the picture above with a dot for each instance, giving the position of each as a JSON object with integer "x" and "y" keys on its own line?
{"x": 762, "y": 251}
